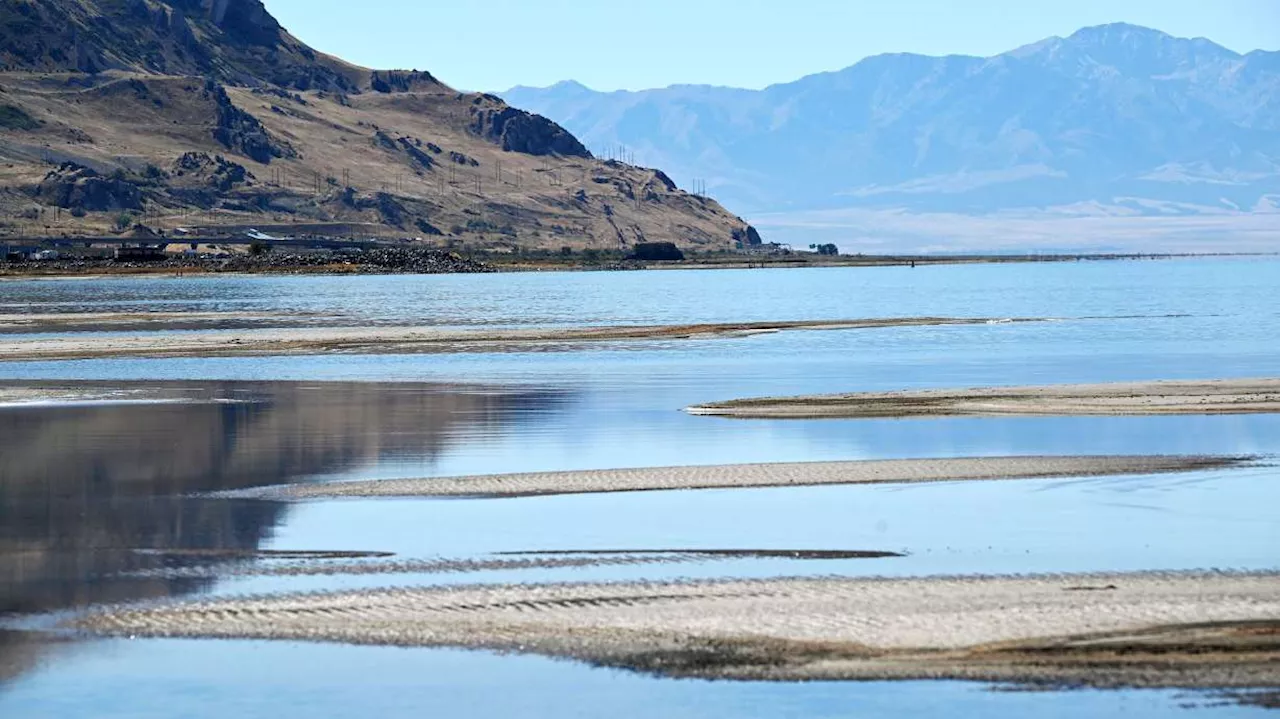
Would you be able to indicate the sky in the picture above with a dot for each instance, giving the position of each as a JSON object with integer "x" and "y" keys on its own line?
{"x": 607, "y": 45}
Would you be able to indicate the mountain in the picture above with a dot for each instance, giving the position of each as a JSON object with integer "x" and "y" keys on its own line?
{"x": 208, "y": 114}
{"x": 1113, "y": 120}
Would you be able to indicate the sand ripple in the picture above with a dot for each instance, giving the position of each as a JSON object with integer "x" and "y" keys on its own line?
{"x": 1143, "y": 629}
{"x": 750, "y": 475}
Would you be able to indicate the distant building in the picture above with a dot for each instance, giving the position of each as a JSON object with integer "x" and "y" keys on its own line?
{"x": 139, "y": 254}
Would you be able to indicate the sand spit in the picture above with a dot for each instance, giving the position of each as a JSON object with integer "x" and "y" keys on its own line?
{"x": 804, "y": 554}
{"x": 1224, "y": 396}
{"x": 749, "y": 475}
{"x": 268, "y": 554}
{"x": 403, "y": 340}
{"x": 309, "y": 564}
{"x": 19, "y": 396}
{"x": 1188, "y": 629}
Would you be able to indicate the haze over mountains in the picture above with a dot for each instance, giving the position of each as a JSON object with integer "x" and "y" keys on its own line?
{"x": 1117, "y": 137}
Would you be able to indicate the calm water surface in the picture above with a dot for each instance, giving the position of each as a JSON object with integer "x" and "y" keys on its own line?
{"x": 83, "y": 487}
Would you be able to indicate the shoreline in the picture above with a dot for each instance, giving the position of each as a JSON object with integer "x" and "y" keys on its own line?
{"x": 797, "y": 474}
{"x": 503, "y": 263}
{"x": 1155, "y": 397}
{"x": 1197, "y": 629}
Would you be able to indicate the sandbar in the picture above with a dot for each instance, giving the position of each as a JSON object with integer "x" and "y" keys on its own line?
{"x": 1207, "y": 629}
{"x": 1218, "y": 396}
{"x": 780, "y": 474}
{"x": 405, "y": 340}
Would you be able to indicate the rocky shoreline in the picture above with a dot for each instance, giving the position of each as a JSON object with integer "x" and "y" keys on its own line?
{"x": 381, "y": 260}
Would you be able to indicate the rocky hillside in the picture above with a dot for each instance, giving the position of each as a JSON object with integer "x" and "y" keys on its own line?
{"x": 206, "y": 114}
{"x": 1118, "y": 118}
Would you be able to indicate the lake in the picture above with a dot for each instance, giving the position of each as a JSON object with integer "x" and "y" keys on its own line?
{"x": 102, "y": 502}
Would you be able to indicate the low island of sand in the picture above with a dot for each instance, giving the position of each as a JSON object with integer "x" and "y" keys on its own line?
{"x": 1184, "y": 629}
{"x": 1220, "y": 396}
{"x": 384, "y": 340}
{"x": 728, "y": 476}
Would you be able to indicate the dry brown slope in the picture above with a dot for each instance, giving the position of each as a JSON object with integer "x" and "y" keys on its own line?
{"x": 324, "y": 146}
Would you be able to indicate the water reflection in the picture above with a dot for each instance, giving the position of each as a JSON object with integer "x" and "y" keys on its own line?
{"x": 86, "y": 491}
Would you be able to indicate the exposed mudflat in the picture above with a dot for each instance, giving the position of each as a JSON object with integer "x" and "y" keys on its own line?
{"x": 1190, "y": 629}
{"x": 1223, "y": 396}
{"x": 404, "y": 340}
{"x": 750, "y": 475}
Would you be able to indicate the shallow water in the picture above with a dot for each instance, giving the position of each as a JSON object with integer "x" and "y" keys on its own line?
{"x": 83, "y": 487}
{"x": 274, "y": 679}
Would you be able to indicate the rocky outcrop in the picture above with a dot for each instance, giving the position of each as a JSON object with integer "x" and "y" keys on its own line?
{"x": 76, "y": 187}
{"x": 387, "y": 81}
{"x": 414, "y": 148}
{"x": 747, "y": 236}
{"x": 215, "y": 170}
{"x": 667, "y": 183}
{"x": 519, "y": 131}
{"x": 427, "y": 228}
{"x": 241, "y": 131}
{"x": 244, "y": 20}
{"x": 15, "y": 118}
{"x": 390, "y": 210}
{"x": 462, "y": 159}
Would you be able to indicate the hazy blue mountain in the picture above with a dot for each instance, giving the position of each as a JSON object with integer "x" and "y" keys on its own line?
{"x": 1117, "y": 116}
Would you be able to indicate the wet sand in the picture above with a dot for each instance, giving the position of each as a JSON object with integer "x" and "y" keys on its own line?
{"x": 1186, "y": 629}
{"x": 403, "y": 340}
{"x": 1224, "y": 396}
{"x": 795, "y": 474}
{"x": 18, "y": 323}
{"x": 302, "y": 564}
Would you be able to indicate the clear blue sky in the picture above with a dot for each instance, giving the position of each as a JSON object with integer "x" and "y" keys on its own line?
{"x": 608, "y": 45}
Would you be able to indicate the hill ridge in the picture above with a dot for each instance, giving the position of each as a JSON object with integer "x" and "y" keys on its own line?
{"x": 208, "y": 113}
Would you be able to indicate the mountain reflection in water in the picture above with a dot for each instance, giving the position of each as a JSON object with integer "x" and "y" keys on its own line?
{"x": 86, "y": 490}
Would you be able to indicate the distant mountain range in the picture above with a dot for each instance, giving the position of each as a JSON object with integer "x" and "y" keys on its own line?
{"x": 1113, "y": 121}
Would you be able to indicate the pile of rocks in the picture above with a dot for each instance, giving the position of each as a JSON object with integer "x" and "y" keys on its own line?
{"x": 417, "y": 260}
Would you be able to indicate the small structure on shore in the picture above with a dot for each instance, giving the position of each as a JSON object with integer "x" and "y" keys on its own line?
{"x": 656, "y": 251}
{"x": 140, "y": 253}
